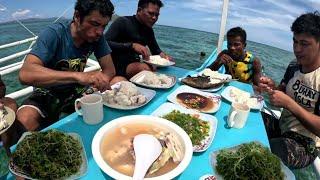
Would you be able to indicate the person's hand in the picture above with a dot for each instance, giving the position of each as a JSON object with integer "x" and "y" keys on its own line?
{"x": 266, "y": 84}
{"x": 96, "y": 79}
{"x": 225, "y": 59}
{"x": 279, "y": 98}
{"x": 141, "y": 50}
{"x": 165, "y": 56}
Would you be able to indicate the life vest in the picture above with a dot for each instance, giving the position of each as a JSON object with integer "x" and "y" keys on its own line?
{"x": 242, "y": 69}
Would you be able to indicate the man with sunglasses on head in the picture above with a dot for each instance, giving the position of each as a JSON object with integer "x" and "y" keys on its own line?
{"x": 131, "y": 36}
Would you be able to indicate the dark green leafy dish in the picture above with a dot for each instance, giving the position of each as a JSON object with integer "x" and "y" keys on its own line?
{"x": 249, "y": 161}
{"x": 196, "y": 128}
{"x": 48, "y": 155}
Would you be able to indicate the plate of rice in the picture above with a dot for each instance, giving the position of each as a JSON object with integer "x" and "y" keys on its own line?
{"x": 158, "y": 61}
{"x": 154, "y": 80}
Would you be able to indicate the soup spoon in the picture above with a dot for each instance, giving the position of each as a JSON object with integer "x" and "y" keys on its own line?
{"x": 147, "y": 149}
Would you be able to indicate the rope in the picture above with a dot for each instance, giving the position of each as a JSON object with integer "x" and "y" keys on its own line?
{"x": 64, "y": 12}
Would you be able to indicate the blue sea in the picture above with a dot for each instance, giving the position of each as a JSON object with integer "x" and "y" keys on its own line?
{"x": 184, "y": 45}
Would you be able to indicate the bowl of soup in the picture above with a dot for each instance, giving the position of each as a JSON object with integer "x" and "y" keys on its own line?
{"x": 113, "y": 151}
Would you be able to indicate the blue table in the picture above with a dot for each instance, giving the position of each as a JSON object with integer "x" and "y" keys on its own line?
{"x": 200, "y": 163}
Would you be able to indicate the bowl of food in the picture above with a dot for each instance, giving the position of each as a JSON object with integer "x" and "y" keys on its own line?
{"x": 113, "y": 151}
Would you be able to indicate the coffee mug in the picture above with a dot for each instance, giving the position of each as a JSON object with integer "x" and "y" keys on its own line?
{"x": 238, "y": 115}
{"x": 91, "y": 108}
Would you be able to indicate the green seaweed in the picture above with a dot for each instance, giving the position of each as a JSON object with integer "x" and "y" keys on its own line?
{"x": 249, "y": 161}
{"x": 48, "y": 155}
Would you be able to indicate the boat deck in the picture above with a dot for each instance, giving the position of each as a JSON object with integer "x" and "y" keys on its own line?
{"x": 200, "y": 164}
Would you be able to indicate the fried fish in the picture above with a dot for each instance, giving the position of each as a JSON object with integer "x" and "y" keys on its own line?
{"x": 200, "y": 82}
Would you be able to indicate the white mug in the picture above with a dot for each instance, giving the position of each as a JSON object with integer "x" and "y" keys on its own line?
{"x": 91, "y": 108}
{"x": 238, "y": 115}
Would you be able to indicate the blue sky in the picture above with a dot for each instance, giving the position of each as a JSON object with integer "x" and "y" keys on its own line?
{"x": 266, "y": 21}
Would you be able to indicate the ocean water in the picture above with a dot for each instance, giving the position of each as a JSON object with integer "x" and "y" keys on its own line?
{"x": 184, "y": 45}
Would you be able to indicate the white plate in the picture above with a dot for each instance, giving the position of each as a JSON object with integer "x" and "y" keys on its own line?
{"x": 153, "y": 61}
{"x": 226, "y": 94}
{"x": 138, "y": 79}
{"x": 83, "y": 168}
{"x": 9, "y": 118}
{"x": 287, "y": 172}
{"x": 216, "y": 98}
{"x": 148, "y": 93}
{"x": 167, "y": 108}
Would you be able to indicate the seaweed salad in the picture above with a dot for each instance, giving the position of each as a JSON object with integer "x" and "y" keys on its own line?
{"x": 48, "y": 155}
{"x": 249, "y": 161}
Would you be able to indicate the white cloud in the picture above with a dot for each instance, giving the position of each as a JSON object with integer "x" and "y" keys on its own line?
{"x": 313, "y": 3}
{"x": 204, "y": 5}
{"x": 209, "y": 19}
{"x": 287, "y": 6}
{"x": 21, "y": 13}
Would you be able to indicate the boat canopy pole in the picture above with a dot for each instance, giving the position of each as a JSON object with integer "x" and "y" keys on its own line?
{"x": 223, "y": 23}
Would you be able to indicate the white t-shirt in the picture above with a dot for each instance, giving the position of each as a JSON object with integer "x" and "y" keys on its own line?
{"x": 304, "y": 88}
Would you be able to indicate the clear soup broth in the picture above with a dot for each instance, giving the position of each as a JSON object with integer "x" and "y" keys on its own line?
{"x": 117, "y": 149}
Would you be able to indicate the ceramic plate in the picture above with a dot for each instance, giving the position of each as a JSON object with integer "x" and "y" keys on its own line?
{"x": 287, "y": 172}
{"x": 148, "y": 93}
{"x": 226, "y": 94}
{"x": 166, "y": 108}
{"x": 138, "y": 79}
{"x": 156, "y": 60}
{"x": 83, "y": 168}
{"x": 215, "y": 98}
{"x": 9, "y": 118}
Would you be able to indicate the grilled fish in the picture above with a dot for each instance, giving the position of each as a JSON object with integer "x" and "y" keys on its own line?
{"x": 200, "y": 82}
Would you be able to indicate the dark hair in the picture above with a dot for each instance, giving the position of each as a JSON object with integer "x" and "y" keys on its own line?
{"x": 237, "y": 31}
{"x": 144, "y": 3}
{"x": 308, "y": 23}
{"x": 85, "y": 7}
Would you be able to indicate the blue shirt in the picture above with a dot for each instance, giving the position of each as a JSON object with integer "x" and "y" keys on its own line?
{"x": 55, "y": 48}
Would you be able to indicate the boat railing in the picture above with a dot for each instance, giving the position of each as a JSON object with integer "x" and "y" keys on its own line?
{"x": 92, "y": 65}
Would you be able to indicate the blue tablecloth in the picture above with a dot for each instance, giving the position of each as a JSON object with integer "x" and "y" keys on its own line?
{"x": 200, "y": 163}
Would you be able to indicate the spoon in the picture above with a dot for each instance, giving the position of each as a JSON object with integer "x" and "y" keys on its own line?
{"x": 147, "y": 149}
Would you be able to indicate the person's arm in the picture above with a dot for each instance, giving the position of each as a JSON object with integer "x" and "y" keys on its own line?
{"x": 222, "y": 59}
{"x": 308, "y": 119}
{"x": 107, "y": 66}
{"x": 153, "y": 45}
{"x": 256, "y": 71}
{"x": 34, "y": 73}
{"x": 2, "y": 88}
